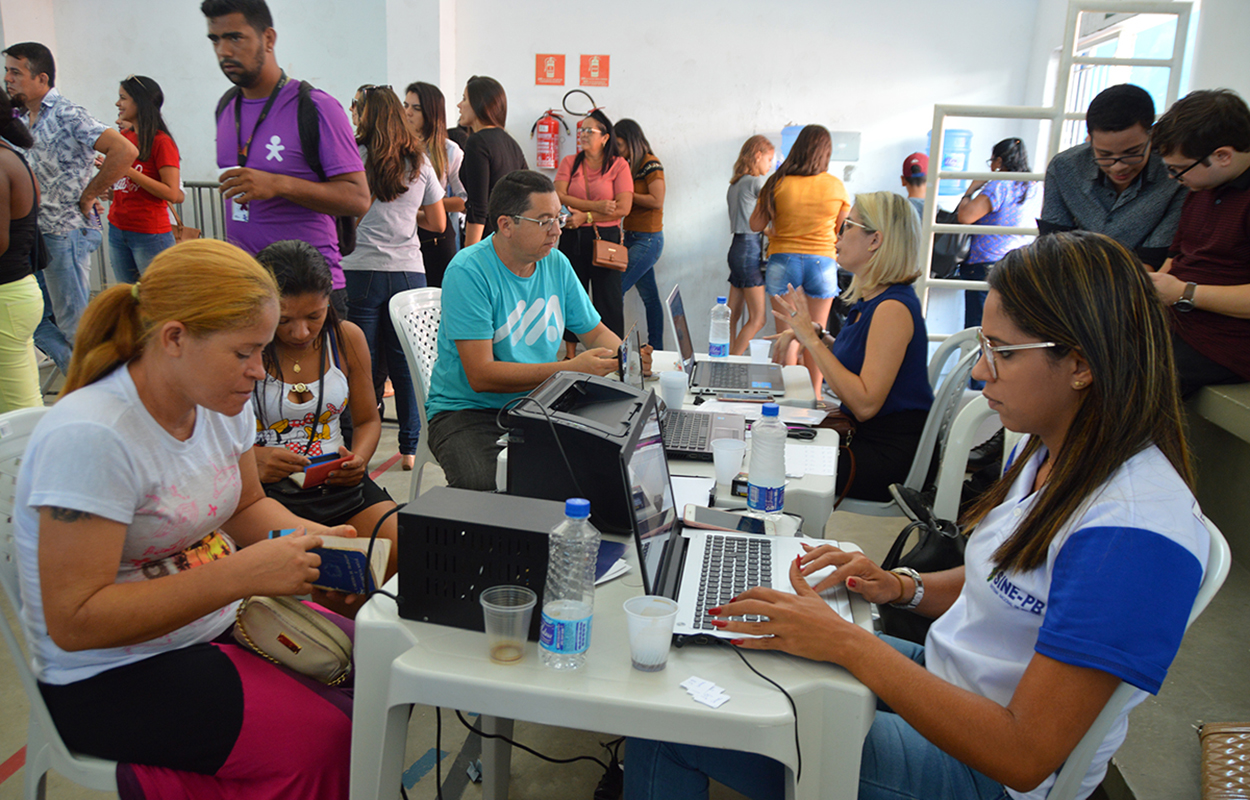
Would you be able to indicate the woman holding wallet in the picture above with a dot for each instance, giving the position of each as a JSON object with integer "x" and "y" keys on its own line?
{"x": 598, "y": 183}
{"x": 317, "y": 367}
{"x": 139, "y": 226}
{"x": 140, "y": 525}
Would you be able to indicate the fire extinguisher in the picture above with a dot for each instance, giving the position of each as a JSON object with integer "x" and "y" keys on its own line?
{"x": 547, "y": 128}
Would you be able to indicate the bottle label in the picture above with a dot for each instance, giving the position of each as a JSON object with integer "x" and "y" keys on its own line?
{"x": 764, "y": 498}
{"x": 720, "y": 350}
{"x": 564, "y": 636}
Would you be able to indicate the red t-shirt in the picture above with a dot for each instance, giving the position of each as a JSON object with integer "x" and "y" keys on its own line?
{"x": 134, "y": 208}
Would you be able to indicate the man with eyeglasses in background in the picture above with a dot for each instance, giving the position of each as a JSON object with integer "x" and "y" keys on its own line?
{"x": 1204, "y": 140}
{"x": 507, "y": 301}
{"x": 1113, "y": 183}
{"x": 274, "y": 189}
{"x": 63, "y": 156}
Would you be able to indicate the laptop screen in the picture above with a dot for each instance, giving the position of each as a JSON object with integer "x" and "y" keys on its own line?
{"x": 653, "y": 508}
{"x": 681, "y": 331}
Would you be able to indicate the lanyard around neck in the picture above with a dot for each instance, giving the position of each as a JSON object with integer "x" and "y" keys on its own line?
{"x": 244, "y": 147}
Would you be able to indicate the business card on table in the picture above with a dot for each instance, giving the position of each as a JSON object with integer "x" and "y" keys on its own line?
{"x": 705, "y": 692}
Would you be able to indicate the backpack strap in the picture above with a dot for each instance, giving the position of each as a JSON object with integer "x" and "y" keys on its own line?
{"x": 310, "y": 130}
{"x": 225, "y": 100}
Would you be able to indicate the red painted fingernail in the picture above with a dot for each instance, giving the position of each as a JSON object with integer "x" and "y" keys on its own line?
{"x": 852, "y": 583}
{"x": 735, "y": 641}
{"x": 719, "y": 623}
{"x": 714, "y": 611}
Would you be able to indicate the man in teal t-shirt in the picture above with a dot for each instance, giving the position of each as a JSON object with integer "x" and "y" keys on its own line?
{"x": 506, "y": 303}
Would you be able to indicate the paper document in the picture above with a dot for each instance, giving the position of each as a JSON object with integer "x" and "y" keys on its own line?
{"x": 807, "y": 459}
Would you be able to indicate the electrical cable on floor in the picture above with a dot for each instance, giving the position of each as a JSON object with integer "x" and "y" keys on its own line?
{"x": 798, "y": 772}
{"x": 529, "y": 750}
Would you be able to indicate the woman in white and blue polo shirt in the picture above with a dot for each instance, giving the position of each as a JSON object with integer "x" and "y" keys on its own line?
{"x": 1081, "y": 570}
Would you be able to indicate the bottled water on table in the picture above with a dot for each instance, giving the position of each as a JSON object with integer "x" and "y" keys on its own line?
{"x": 766, "y": 479}
{"x": 718, "y": 335}
{"x": 569, "y": 599}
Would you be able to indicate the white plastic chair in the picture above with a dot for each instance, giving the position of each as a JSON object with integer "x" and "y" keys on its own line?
{"x": 1073, "y": 771}
{"x": 416, "y": 314}
{"x": 959, "y": 443}
{"x": 946, "y": 401}
{"x": 965, "y": 341}
{"x": 44, "y": 748}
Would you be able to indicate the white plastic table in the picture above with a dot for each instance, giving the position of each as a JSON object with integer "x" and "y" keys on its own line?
{"x": 399, "y": 663}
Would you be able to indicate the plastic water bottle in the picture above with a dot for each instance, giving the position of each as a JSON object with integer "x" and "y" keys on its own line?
{"x": 718, "y": 336}
{"x": 766, "y": 480}
{"x": 569, "y": 599}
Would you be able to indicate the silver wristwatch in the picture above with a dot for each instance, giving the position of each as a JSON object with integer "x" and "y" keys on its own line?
{"x": 1186, "y": 301}
{"x": 918, "y": 596}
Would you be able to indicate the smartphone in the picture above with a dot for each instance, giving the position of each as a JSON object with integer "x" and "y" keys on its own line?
{"x": 319, "y": 468}
{"x": 717, "y": 520}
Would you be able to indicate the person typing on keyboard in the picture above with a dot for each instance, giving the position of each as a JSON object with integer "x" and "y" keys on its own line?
{"x": 1082, "y": 565}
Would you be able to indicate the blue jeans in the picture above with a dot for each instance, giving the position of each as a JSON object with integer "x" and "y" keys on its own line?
{"x": 368, "y": 301}
{"x": 67, "y": 286}
{"x": 897, "y": 764}
{"x": 644, "y": 251}
{"x": 818, "y": 275}
{"x": 131, "y": 252}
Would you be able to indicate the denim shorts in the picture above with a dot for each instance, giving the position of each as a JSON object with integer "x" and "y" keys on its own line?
{"x": 746, "y": 260}
{"x": 818, "y": 275}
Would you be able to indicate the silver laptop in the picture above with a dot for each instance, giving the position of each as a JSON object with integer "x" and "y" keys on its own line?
{"x": 702, "y": 569}
{"x": 688, "y": 433}
{"x": 709, "y": 377}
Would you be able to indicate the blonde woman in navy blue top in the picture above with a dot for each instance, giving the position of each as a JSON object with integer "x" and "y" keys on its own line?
{"x": 878, "y": 365}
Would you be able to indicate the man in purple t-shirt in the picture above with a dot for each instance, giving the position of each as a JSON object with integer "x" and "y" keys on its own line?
{"x": 272, "y": 192}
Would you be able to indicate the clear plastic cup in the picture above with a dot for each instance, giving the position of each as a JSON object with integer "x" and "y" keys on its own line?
{"x": 507, "y": 610}
{"x": 761, "y": 350}
{"x": 673, "y": 387}
{"x": 650, "y": 631}
{"x": 727, "y": 457}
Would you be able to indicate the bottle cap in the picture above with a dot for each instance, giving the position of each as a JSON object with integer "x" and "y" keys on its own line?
{"x": 771, "y": 409}
{"x": 722, "y": 300}
{"x": 577, "y": 508}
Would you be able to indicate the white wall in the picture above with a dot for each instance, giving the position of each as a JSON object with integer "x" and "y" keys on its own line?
{"x": 699, "y": 76}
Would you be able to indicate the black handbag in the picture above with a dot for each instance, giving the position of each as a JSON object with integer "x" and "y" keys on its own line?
{"x": 328, "y": 505}
{"x": 940, "y": 546}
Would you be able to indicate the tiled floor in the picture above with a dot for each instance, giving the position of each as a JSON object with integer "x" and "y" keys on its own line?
{"x": 1159, "y": 759}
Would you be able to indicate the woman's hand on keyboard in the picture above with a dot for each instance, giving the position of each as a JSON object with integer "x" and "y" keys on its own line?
{"x": 856, "y": 570}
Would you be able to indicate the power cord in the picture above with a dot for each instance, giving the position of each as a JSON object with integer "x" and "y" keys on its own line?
{"x": 798, "y": 772}
{"x": 373, "y": 537}
{"x": 529, "y": 750}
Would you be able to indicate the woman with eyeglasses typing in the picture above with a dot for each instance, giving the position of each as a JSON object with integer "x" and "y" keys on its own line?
{"x": 406, "y": 195}
{"x": 597, "y": 186}
{"x": 878, "y": 364}
{"x": 1082, "y": 565}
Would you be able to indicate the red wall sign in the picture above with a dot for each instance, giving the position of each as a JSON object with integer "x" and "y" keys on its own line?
{"x": 594, "y": 70}
{"x": 549, "y": 69}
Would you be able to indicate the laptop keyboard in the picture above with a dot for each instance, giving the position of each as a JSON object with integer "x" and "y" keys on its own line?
{"x": 724, "y": 373}
{"x": 687, "y": 431}
{"x": 731, "y": 565}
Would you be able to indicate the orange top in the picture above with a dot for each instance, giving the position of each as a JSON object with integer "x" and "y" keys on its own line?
{"x": 806, "y": 208}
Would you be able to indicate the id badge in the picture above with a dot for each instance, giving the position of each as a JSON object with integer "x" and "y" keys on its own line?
{"x": 238, "y": 212}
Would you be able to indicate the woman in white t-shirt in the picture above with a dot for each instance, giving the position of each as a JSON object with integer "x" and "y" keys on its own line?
{"x": 406, "y": 194}
{"x": 141, "y": 524}
{"x": 1080, "y": 572}
{"x": 425, "y": 112}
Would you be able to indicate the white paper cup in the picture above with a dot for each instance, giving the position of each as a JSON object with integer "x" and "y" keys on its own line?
{"x": 673, "y": 388}
{"x": 727, "y": 455}
{"x": 761, "y": 349}
{"x": 507, "y": 611}
{"x": 650, "y": 631}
